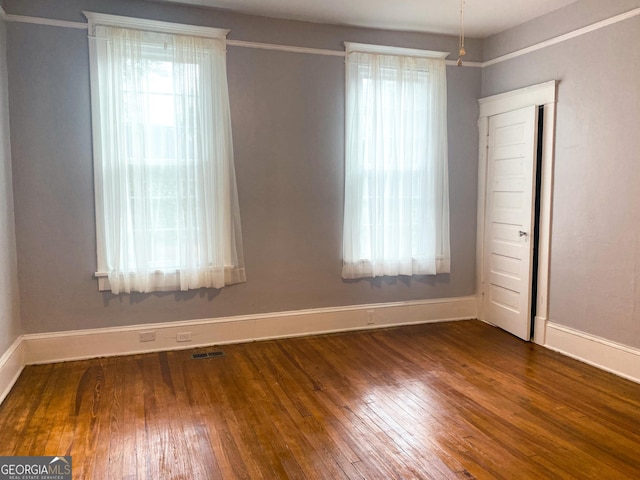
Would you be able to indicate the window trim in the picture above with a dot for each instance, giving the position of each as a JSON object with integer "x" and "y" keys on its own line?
{"x": 351, "y": 47}
{"x": 155, "y": 26}
{"x": 442, "y": 258}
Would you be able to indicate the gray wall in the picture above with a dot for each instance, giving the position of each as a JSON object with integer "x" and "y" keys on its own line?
{"x": 288, "y": 124}
{"x": 288, "y": 127}
{"x": 595, "y": 247}
{"x": 9, "y": 298}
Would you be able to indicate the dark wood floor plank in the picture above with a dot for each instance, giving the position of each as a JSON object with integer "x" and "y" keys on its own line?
{"x": 240, "y": 437}
{"x": 198, "y": 452}
{"x": 25, "y": 415}
{"x": 88, "y": 405}
{"x": 332, "y": 392}
{"x": 279, "y": 380}
{"x": 458, "y": 400}
{"x": 373, "y": 422}
{"x": 131, "y": 420}
{"x": 503, "y": 406}
{"x": 64, "y": 404}
{"x": 108, "y": 454}
{"x": 206, "y": 409}
{"x": 521, "y": 407}
{"x": 275, "y": 416}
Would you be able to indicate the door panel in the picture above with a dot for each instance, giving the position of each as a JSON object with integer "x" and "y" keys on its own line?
{"x": 509, "y": 220}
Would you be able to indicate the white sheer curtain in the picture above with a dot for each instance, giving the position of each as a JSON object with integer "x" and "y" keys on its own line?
{"x": 396, "y": 212}
{"x": 166, "y": 199}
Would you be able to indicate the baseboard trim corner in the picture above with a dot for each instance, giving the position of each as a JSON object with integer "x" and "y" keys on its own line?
{"x": 12, "y": 363}
{"x": 106, "y": 342}
{"x": 612, "y": 357}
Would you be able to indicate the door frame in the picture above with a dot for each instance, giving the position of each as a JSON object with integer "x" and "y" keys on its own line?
{"x": 543, "y": 94}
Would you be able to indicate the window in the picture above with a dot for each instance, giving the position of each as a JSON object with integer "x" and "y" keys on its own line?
{"x": 396, "y": 212}
{"x": 167, "y": 215}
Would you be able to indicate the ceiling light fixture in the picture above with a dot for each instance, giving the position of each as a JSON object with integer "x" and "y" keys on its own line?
{"x": 461, "y": 51}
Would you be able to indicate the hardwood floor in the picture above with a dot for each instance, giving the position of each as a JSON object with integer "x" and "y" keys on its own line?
{"x": 439, "y": 401}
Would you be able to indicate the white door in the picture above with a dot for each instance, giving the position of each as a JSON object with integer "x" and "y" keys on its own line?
{"x": 509, "y": 220}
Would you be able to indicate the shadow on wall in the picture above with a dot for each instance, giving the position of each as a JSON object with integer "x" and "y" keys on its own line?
{"x": 135, "y": 298}
{"x": 407, "y": 281}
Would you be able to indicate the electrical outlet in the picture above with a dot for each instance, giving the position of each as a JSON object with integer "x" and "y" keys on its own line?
{"x": 147, "y": 336}
{"x": 371, "y": 317}
{"x": 183, "y": 337}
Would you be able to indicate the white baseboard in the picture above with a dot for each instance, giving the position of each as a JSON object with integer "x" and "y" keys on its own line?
{"x": 610, "y": 356}
{"x": 80, "y": 344}
{"x": 102, "y": 342}
{"x": 540, "y": 331}
{"x": 11, "y": 364}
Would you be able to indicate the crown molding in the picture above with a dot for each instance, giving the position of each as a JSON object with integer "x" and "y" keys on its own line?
{"x": 314, "y": 51}
{"x": 563, "y": 38}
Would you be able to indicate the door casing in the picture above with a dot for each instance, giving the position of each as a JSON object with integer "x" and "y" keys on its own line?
{"x": 542, "y": 94}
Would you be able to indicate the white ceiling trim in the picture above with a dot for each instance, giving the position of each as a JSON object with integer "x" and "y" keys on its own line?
{"x": 563, "y": 38}
{"x": 44, "y": 21}
{"x": 285, "y": 48}
{"x": 315, "y": 51}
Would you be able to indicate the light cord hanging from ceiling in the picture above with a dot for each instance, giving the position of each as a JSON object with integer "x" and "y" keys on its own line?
{"x": 461, "y": 51}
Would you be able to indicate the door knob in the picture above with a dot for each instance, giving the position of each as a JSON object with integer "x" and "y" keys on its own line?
{"x": 522, "y": 234}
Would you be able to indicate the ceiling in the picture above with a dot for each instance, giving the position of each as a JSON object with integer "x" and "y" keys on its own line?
{"x": 482, "y": 17}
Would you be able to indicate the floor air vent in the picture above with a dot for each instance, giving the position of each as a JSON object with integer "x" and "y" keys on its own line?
{"x": 200, "y": 356}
